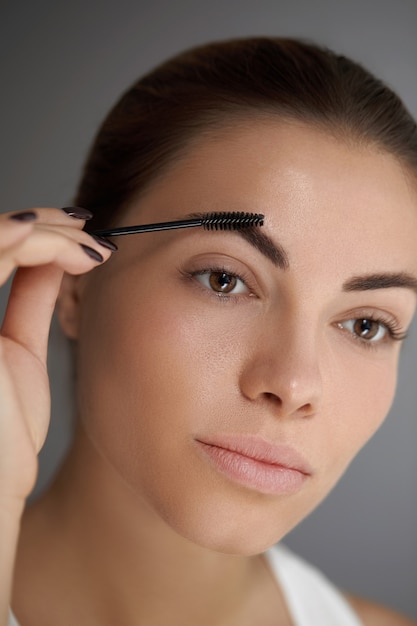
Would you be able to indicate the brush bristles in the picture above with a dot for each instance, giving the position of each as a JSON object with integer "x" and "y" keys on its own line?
{"x": 232, "y": 221}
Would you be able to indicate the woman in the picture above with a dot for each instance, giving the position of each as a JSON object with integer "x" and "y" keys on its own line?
{"x": 224, "y": 381}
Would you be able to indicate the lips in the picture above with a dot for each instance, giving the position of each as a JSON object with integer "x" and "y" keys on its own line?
{"x": 255, "y": 463}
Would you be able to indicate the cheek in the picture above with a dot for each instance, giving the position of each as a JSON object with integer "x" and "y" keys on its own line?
{"x": 151, "y": 372}
{"x": 357, "y": 395}
{"x": 171, "y": 374}
{"x": 366, "y": 389}
{"x": 375, "y": 389}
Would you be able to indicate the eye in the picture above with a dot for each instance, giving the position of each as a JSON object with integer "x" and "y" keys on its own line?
{"x": 365, "y": 328}
{"x": 222, "y": 282}
{"x": 372, "y": 331}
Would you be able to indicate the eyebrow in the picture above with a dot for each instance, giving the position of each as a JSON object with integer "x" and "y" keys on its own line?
{"x": 381, "y": 281}
{"x": 259, "y": 240}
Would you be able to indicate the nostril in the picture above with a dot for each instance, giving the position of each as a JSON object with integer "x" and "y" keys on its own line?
{"x": 272, "y": 397}
{"x": 303, "y": 410}
{"x": 306, "y": 410}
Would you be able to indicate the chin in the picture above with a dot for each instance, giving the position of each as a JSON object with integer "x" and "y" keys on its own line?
{"x": 234, "y": 539}
{"x": 238, "y": 530}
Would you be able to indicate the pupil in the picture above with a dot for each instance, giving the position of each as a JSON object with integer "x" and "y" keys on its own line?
{"x": 220, "y": 281}
{"x": 365, "y": 327}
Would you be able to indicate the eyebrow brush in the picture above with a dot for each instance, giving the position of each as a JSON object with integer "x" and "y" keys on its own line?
{"x": 209, "y": 221}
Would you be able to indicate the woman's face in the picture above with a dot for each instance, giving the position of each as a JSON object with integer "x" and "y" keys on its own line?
{"x": 196, "y": 348}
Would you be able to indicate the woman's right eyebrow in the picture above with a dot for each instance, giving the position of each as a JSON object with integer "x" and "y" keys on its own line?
{"x": 266, "y": 246}
{"x": 273, "y": 251}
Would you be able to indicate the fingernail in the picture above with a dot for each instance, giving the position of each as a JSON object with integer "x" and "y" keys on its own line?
{"x": 24, "y": 216}
{"x": 106, "y": 243}
{"x": 78, "y": 212}
{"x": 92, "y": 253}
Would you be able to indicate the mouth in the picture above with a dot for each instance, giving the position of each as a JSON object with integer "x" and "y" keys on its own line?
{"x": 256, "y": 464}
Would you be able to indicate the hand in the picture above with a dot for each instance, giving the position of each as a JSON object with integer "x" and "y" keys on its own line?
{"x": 41, "y": 245}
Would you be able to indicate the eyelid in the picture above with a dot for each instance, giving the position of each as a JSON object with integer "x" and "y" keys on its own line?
{"x": 228, "y": 265}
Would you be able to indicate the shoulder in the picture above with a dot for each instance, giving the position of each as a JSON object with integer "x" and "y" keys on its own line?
{"x": 372, "y": 614}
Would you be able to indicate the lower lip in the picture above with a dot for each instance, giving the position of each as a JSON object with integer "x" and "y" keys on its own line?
{"x": 257, "y": 475}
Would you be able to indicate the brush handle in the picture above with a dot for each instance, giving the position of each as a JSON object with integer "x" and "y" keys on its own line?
{"x": 148, "y": 228}
{"x": 210, "y": 221}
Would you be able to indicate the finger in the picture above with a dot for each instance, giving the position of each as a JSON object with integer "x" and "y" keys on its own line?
{"x": 42, "y": 259}
{"x": 45, "y": 246}
{"x": 74, "y": 251}
{"x": 16, "y": 226}
{"x": 17, "y": 479}
{"x": 30, "y": 307}
{"x": 83, "y": 237}
{"x": 13, "y": 232}
{"x": 10, "y": 400}
{"x": 67, "y": 216}
{"x": 33, "y": 294}
{"x": 19, "y": 216}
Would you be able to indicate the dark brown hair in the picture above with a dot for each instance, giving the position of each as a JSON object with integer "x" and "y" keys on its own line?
{"x": 211, "y": 85}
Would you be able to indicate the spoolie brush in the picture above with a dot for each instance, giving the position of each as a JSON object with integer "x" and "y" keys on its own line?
{"x": 209, "y": 221}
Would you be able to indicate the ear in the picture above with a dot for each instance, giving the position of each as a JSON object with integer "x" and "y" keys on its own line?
{"x": 68, "y": 305}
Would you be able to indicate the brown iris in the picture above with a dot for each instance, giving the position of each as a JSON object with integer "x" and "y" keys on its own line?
{"x": 366, "y": 328}
{"x": 222, "y": 282}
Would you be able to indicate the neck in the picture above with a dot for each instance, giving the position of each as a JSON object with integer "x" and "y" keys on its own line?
{"x": 92, "y": 532}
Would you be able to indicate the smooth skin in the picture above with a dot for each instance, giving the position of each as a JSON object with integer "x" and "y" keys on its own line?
{"x": 43, "y": 249}
{"x": 164, "y": 360}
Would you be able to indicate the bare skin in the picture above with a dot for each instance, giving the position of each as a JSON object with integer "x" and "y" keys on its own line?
{"x": 163, "y": 361}
{"x": 171, "y": 581}
{"x": 42, "y": 249}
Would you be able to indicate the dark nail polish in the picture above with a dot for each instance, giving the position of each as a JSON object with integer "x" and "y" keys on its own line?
{"x": 106, "y": 243}
{"x": 24, "y": 216}
{"x": 78, "y": 212}
{"x": 92, "y": 253}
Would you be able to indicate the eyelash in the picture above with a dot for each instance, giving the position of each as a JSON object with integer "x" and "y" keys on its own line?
{"x": 393, "y": 329}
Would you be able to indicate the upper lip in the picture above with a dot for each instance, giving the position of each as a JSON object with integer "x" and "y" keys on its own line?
{"x": 258, "y": 449}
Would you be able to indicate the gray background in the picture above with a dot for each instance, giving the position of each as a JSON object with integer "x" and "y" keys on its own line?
{"x": 62, "y": 64}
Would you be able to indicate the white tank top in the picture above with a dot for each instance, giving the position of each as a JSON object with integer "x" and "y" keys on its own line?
{"x": 311, "y": 598}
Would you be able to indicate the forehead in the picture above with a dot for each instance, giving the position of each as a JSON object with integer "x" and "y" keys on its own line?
{"x": 316, "y": 191}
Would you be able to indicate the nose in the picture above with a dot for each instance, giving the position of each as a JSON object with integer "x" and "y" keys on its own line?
{"x": 282, "y": 371}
